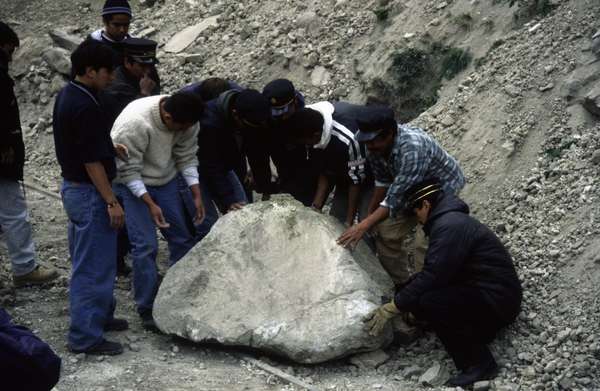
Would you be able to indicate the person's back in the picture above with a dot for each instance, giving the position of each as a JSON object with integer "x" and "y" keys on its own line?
{"x": 483, "y": 261}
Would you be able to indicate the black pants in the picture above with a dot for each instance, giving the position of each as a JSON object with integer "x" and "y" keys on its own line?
{"x": 463, "y": 321}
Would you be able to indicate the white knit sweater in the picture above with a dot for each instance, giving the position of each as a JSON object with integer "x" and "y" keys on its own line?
{"x": 156, "y": 154}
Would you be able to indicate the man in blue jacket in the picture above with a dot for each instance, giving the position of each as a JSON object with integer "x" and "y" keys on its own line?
{"x": 14, "y": 219}
{"x": 468, "y": 289}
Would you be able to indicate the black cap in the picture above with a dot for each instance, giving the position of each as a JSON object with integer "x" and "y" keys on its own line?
{"x": 252, "y": 108}
{"x": 373, "y": 122}
{"x": 280, "y": 93}
{"x": 422, "y": 190}
{"x": 112, "y": 7}
{"x": 141, "y": 50}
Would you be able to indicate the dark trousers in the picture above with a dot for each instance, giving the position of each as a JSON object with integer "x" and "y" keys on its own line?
{"x": 463, "y": 321}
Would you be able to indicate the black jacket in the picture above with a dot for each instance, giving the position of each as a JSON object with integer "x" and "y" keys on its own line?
{"x": 462, "y": 251}
{"x": 124, "y": 89}
{"x": 10, "y": 125}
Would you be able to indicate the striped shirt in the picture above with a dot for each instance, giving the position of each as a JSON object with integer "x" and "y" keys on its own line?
{"x": 356, "y": 154}
{"x": 415, "y": 157}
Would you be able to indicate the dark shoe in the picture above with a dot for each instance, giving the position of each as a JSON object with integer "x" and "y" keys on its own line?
{"x": 485, "y": 371}
{"x": 116, "y": 324}
{"x": 122, "y": 269}
{"x": 148, "y": 322}
{"x": 104, "y": 348}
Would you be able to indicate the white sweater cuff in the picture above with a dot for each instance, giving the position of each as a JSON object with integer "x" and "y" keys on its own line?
{"x": 137, "y": 187}
{"x": 190, "y": 174}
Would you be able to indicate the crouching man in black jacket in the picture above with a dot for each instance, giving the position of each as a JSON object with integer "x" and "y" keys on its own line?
{"x": 468, "y": 289}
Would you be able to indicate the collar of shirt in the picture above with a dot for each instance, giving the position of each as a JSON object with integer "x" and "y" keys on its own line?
{"x": 86, "y": 90}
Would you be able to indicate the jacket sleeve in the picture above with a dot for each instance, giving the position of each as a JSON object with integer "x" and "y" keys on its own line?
{"x": 256, "y": 149}
{"x": 136, "y": 143}
{"x": 448, "y": 248}
{"x": 356, "y": 164}
{"x": 186, "y": 148}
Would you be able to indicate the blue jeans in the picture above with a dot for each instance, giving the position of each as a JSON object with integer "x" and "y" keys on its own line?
{"x": 92, "y": 244}
{"x": 142, "y": 235}
{"x": 14, "y": 224}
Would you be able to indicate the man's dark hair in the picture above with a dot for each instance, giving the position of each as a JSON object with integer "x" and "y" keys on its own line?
{"x": 305, "y": 123}
{"x": 429, "y": 189}
{"x": 184, "y": 107}
{"x": 92, "y": 54}
{"x": 8, "y": 35}
{"x": 213, "y": 87}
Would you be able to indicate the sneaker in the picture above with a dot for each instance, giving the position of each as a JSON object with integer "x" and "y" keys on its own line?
{"x": 148, "y": 322}
{"x": 38, "y": 276}
{"x": 104, "y": 348}
{"x": 116, "y": 324}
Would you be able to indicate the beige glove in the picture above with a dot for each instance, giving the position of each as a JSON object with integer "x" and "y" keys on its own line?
{"x": 377, "y": 319}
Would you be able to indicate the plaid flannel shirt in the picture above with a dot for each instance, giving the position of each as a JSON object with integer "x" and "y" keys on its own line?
{"x": 415, "y": 157}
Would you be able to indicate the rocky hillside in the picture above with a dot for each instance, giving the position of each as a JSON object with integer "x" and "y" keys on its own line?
{"x": 512, "y": 88}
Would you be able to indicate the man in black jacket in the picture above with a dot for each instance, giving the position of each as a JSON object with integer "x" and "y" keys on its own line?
{"x": 468, "y": 289}
{"x": 14, "y": 221}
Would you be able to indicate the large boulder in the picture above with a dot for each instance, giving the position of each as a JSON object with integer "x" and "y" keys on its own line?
{"x": 272, "y": 277}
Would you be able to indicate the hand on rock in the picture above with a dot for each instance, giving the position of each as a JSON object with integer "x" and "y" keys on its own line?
{"x": 378, "y": 318}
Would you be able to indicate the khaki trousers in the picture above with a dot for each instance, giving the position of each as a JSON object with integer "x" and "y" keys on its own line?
{"x": 390, "y": 235}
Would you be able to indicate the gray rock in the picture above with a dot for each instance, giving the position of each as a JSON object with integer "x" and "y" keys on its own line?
{"x": 435, "y": 376}
{"x": 271, "y": 277}
{"x": 370, "y": 359}
{"x": 180, "y": 41}
{"x": 596, "y": 43}
{"x": 481, "y": 386}
{"x": 319, "y": 76}
{"x": 591, "y": 102}
{"x": 64, "y": 39}
{"x": 413, "y": 370}
{"x": 596, "y": 157}
{"x": 59, "y": 60}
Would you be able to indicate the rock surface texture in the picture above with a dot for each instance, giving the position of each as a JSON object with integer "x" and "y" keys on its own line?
{"x": 272, "y": 277}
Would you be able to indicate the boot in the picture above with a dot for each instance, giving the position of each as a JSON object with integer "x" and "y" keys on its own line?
{"x": 38, "y": 276}
{"x": 485, "y": 369}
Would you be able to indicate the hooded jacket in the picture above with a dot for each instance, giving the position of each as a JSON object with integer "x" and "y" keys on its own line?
{"x": 338, "y": 154}
{"x": 10, "y": 125}
{"x": 464, "y": 252}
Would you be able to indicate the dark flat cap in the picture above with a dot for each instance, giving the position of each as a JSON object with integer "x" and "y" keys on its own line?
{"x": 141, "y": 50}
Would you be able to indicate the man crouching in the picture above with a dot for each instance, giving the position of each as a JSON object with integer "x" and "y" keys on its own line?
{"x": 468, "y": 289}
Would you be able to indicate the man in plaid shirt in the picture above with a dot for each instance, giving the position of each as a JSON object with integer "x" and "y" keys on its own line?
{"x": 400, "y": 156}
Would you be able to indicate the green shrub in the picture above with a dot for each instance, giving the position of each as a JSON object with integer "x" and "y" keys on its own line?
{"x": 382, "y": 14}
{"x": 454, "y": 61}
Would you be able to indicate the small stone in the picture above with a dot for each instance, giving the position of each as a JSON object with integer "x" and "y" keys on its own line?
{"x": 547, "y": 87}
{"x": 370, "y": 359}
{"x": 481, "y": 386}
{"x": 436, "y": 375}
{"x": 175, "y": 349}
{"x": 535, "y": 27}
{"x": 134, "y": 347}
{"x": 596, "y": 157}
{"x": 100, "y": 358}
{"x": 441, "y": 5}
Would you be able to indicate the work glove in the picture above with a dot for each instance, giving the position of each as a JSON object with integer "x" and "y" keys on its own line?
{"x": 377, "y": 319}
